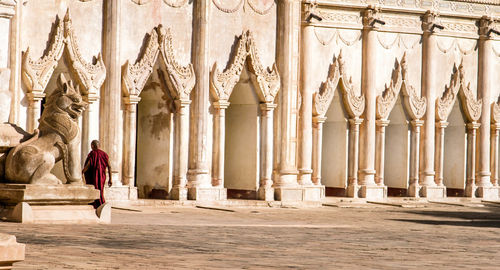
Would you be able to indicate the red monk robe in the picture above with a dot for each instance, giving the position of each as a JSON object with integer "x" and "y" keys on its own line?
{"x": 95, "y": 172}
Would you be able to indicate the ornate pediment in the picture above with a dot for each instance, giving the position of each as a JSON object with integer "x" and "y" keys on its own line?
{"x": 470, "y": 104}
{"x": 386, "y": 101}
{"x": 337, "y": 77}
{"x": 414, "y": 104}
{"x": 136, "y": 75}
{"x": 444, "y": 104}
{"x": 180, "y": 78}
{"x": 266, "y": 80}
{"x": 37, "y": 73}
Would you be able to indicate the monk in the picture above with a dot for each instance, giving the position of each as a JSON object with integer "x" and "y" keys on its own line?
{"x": 94, "y": 171}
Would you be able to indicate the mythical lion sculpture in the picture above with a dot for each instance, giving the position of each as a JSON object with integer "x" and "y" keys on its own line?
{"x": 57, "y": 138}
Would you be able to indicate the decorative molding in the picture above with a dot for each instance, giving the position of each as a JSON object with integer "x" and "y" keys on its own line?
{"x": 266, "y": 80}
{"x": 263, "y": 11}
{"x": 37, "y": 73}
{"x": 180, "y": 79}
{"x": 176, "y": 3}
{"x": 339, "y": 17}
{"x": 470, "y": 104}
{"x": 399, "y": 40}
{"x": 455, "y": 45}
{"x": 354, "y": 104}
{"x": 338, "y": 37}
{"x": 486, "y": 24}
{"x": 219, "y": 6}
{"x": 141, "y": 2}
{"x": 415, "y": 104}
{"x": 136, "y": 75}
{"x": 386, "y": 101}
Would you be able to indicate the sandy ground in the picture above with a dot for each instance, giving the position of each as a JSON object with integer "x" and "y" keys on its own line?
{"x": 349, "y": 236}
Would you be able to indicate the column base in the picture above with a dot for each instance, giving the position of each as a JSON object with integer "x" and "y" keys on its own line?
{"x": 179, "y": 193}
{"x": 265, "y": 193}
{"x": 433, "y": 192}
{"x": 470, "y": 191}
{"x": 207, "y": 193}
{"x": 490, "y": 193}
{"x": 299, "y": 193}
{"x": 368, "y": 192}
{"x": 10, "y": 251}
{"x": 120, "y": 193}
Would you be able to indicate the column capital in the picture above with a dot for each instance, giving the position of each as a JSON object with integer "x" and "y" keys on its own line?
{"x": 382, "y": 122}
{"x": 267, "y": 106}
{"x": 132, "y": 99}
{"x": 486, "y": 26}
{"x": 430, "y": 22}
{"x": 182, "y": 102}
{"x": 355, "y": 121}
{"x": 90, "y": 98}
{"x": 318, "y": 119}
{"x": 371, "y": 17}
{"x": 417, "y": 123}
{"x": 221, "y": 104}
{"x": 441, "y": 124}
{"x": 35, "y": 95}
{"x": 473, "y": 125}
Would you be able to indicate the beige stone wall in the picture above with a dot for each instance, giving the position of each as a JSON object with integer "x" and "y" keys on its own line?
{"x": 368, "y": 35}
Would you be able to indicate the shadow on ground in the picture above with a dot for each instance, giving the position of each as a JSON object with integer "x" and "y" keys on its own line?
{"x": 488, "y": 218}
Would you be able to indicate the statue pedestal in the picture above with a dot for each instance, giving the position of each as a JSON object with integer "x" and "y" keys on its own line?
{"x": 58, "y": 204}
{"x": 10, "y": 251}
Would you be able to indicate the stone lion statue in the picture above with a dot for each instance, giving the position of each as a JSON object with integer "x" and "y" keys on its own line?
{"x": 57, "y": 138}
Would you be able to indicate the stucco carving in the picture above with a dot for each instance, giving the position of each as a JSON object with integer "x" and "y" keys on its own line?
{"x": 37, "y": 73}
{"x": 266, "y": 80}
{"x": 415, "y": 105}
{"x": 180, "y": 78}
{"x": 495, "y": 111}
{"x": 337, "y": 76}
{"x": 444, "y": 104}
{"x": 136, "y": 75}
{"x": 220, "y": 5}
{"x": 386, "y": 101}
{"x": 57, "y": 139}
{"x": 470, "y": 104}
{"x": 370, "y": 15}
{"x": 261, "y": 10}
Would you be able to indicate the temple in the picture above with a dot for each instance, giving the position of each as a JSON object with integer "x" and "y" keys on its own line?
{"x": 283, "y": 100}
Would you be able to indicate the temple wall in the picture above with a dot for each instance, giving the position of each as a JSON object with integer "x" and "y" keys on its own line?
{"x": 307, "y": 49}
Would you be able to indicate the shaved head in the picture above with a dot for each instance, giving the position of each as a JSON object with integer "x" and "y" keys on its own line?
{"x": 95, "y": 144}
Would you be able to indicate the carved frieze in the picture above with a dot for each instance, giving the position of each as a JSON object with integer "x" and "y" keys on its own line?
{"x": 386, "y": 101}
{"x": 266, "y": 80}
{"x": 37, "y": 73}
{"x": 414, "y": 104}
{"x": 323, "y": 98}
{"x": 223, "y": 6}
{"x": 261, "y": 7}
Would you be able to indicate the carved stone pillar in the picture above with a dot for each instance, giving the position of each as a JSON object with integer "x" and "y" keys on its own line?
{"x": 219, "y": 142}
{"x": 285, "y": 183}
{"x": 352, "y": 185}
{"x": 495, "y": 133}
{"x": 317, "y": 148}
{"x": 129, "y": 139}
{"x": 366, "y": 181}
{"x": 380, "y": 151}
{"x": 199, "y": 179}
{"x": 470, "y": 186}
{"x": 181, "y": 144}
{"x": 439, "y": 156}
{"x": 414, "y": 187}
{"x": 305, "y": 144}
{"x": 86, "y": 115}
{"x": 34, "y": 109}
{"x": 429, "y": 65}
{"x": 484, "y": 88}
{"x": 111, "y": 94}
{"x": 266, "y": 191}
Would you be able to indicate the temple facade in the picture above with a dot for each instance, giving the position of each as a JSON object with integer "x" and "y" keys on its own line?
{"x": 267, "y": 99}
